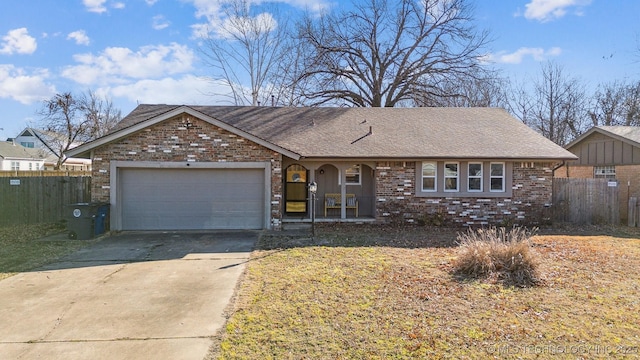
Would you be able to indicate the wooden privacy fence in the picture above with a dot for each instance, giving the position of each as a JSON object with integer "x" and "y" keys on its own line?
{"x": 586, "y": 201}
{"x": 633, "y": 214}
{"x": 32, "y": 173}
{"x": 31, "y": 200}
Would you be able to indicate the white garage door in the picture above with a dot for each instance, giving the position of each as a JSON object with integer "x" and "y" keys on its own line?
{"x": 191, "y": 199}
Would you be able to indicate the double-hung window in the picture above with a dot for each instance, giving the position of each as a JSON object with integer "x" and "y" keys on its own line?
{"x": 353, "y": 175}
{"x": 497, "y": 177}
{"x": 15, "y": 165}
{"x": 429, "y": 171}
{"x": 474, "y": 179}
{"x": 451, "y": 178}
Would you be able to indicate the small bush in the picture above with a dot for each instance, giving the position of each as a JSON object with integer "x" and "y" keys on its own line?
{"x": 498, "y": 253}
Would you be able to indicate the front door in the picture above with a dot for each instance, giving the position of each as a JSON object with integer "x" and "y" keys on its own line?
{"x": 295, "y": 190}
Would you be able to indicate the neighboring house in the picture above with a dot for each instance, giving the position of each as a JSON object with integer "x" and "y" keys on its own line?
{"x": 16, "y": 157}
{"x": 217, "y": 167}
{"x": 46, "y": 142}
{"x": 610, "y": 152}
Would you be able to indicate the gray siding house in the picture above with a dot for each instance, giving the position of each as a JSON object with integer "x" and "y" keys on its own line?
{"x": 609, "y": 152}
{"x": 225, "y": 167}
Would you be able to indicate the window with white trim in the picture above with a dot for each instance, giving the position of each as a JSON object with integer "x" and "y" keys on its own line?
{"x": 474, "y": 177}
{"x": 15, "y": 165}
{"x": 604, "y": 172}
{"x": 429, "y": 171}
{"x": 451, "y": 178}
{"x": 353, "y": 175}
{"x": 497, "y": 177}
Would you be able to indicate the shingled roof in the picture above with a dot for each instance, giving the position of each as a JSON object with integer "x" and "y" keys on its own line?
{"x": 320, "y": 132}
{"x": 627, "y": 134}
{"x": 9, "y": 150}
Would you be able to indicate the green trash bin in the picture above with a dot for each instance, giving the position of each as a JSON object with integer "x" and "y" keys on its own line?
{"x": 85, "y": 220}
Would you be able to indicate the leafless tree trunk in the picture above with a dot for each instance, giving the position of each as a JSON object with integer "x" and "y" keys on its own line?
{"x": 556, "y": 106}
{"x": 389, "y": 53}
{"x": 245, "y": 49}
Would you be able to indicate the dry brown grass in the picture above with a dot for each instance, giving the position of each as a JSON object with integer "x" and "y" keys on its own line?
{"x": 21, "y": 247}
{"x": 497, "y": 253}
{"x": 352, "y": 297}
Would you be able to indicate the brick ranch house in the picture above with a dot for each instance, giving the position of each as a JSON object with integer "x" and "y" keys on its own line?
{"x": 218, "y": 167}
{"x": 608, "y": 152}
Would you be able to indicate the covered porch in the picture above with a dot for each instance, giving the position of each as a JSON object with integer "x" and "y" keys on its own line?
{"x": 345, "y": 191}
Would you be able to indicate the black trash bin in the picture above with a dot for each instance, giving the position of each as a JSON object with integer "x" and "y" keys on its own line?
{"x": 101, "y": 220}
{"x": 86, "y": 220}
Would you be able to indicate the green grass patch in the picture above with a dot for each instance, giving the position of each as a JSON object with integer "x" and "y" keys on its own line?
{"x": 347, "y": 295}
{"x": 22, "y": 248}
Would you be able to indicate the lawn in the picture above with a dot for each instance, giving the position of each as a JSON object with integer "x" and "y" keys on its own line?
{"x": 22, "y": 248}
{"x": 354, "y": 293}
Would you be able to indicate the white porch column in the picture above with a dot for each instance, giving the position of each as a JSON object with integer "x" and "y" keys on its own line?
{"x": 343, "y": 191}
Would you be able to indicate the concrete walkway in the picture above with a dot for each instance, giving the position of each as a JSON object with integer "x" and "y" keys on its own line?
{"x": 130, "y": 296}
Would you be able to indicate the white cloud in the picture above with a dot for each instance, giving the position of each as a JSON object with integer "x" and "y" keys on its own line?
{"x": 99, "y": 6}
{"x": 96, "y": 6}
{"x": 546, "y": 10}
{"x": 151, "y": 2}
{"x": 159, "y": 22}
{"x": 313, "y": 6}
{"x": 189, "y": 89}
{"x": 79, "y": 36}
{"x": 18, "y": 41}
{"x": 213, "y": 12}
{"x": 538, "y": 54}
{"x": 119, "y": 65}
{"x": 18, "y": 85}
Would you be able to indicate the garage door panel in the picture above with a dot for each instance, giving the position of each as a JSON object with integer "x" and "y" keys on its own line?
{"x": 184, "y": 199}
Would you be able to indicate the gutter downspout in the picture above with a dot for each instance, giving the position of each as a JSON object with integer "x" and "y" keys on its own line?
{"x": 553, "y": 171}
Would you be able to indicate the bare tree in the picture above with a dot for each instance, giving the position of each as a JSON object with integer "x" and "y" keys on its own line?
{"x": 616, "y": 103}
{"x": 607, "y": 105}
{"x": 387, "y": 53}
{"x": 100, "y": 113}
{"x": 555, "y": 107}
{"x": 291, "y": 69}
{"x": 247, "y": 48}
{"x": 632, "y": 105}
{"x": 486, "y": 91}
{"x": 69, "y": 120}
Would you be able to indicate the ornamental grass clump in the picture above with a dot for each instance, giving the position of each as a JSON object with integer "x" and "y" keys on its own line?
{"x": 498, "y": 254}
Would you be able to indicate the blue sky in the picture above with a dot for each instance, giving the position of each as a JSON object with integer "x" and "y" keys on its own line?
{"x": 146, "y": 51}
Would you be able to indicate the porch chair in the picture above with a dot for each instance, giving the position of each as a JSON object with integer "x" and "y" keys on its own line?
{"x": 334, "y": 201}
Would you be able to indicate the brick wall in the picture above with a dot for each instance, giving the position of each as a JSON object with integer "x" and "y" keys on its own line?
{"x": 185, "y": 138}
{"x": 529, "y": 204}
{"x": 581, "y": 172}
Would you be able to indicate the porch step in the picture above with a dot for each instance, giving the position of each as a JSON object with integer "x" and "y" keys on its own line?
{"x": 296, "y": 226}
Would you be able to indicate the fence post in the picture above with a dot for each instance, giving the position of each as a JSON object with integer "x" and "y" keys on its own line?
{"x": 631, "y": 209}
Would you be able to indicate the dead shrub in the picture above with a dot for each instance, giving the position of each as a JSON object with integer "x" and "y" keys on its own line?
{"x": 497, "y": 253}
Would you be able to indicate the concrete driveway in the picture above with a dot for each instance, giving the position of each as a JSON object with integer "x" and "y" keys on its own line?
{"x": 136, "y": 295}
